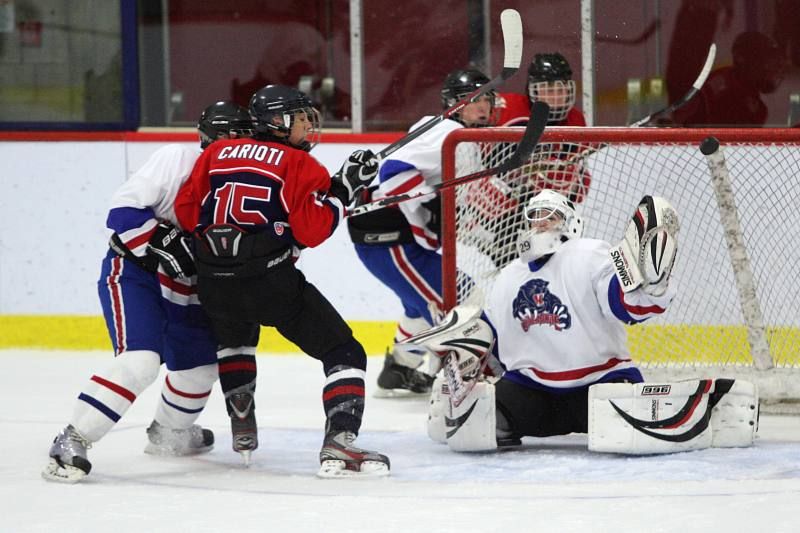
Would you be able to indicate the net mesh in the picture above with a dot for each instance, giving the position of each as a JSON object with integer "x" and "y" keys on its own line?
{"x": 606, "y": 172}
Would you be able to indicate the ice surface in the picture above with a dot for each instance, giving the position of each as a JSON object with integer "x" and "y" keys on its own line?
{"x": 547, "y": 485}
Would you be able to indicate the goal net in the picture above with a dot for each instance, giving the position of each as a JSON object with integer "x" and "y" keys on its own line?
{"x": 737, "y": 313}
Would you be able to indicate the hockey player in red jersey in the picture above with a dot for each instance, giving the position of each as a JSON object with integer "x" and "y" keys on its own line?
{"x": 549, "y": 80}
{"x": 148, "y": 294}
{"x": 254, "y": 203}
{"x": 732, "y": 95}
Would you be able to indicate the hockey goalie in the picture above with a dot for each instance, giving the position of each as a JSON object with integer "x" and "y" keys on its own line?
{"x": 554, "y": 321}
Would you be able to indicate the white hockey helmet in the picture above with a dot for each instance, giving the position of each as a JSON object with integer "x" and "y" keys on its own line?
{"x": 552, "y": 221}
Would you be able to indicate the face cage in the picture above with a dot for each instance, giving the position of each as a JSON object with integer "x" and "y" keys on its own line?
{"x": 558, "y": 112}
{"x": 557, "y": 221}
{"x": 312, "y": 138}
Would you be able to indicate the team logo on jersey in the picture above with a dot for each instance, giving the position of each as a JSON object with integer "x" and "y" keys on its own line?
{"x": 279, "y": 227}
{"x": 536, "y": 305}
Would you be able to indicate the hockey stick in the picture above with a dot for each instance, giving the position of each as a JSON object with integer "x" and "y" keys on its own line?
{"x": 512, "y": 49}
{"x": 533, "y": 132}
{"x": 696, "y": 86}
{"x": 583, "y": 154}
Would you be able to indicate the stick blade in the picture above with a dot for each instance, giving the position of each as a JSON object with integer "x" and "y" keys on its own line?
{"x": 537, "y": 121}
{"x": 511, "y": 23}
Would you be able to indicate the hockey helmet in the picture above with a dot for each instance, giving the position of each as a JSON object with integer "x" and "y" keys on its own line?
{"x": 223, "y": 119}
{"x": 459, "y": 84}
{"x": 550, "y": 80}
{"x": 274, "y": 109}
{"x": 553, "y": 220}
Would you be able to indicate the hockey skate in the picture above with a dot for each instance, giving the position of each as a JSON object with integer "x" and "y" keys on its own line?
{"x": 340, "y": 458}
{"x": 241, "y": 409}
{"x": 68, "y": 458}
{"x": 399, "y": 381}
{"x": 166, "y": 441}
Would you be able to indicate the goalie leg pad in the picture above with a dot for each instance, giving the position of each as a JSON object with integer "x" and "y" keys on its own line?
{"x": 648, "y": 418}
{"x": 734, "y": 417}
{"x": 438, "y": 409}
{"x": 471, "y": 427}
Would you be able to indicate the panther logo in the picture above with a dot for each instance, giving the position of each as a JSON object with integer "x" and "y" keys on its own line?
{"x": 536, "y": 305}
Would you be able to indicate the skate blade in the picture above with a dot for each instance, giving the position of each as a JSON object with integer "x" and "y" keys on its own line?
{"x": 169, "y": 451}
{"x": 62, "y": 474}
{"x": 334, "y": 469}
{"x": 245, "y": 457}
{"x": 404, "y": 394}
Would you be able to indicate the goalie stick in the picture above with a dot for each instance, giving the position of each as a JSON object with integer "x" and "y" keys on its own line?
{"x": 533, "y": 132}
{"x": 511, "y": 24}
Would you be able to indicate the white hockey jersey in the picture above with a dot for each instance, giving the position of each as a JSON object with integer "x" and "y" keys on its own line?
{"x": 559, "y": 324}
{"x": 415, "y": 168}
{"x": 149, "y": 196}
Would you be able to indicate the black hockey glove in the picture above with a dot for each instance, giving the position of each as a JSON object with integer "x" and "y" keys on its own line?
{"x": 173, "y": 251}
{"x": 357, "y": 172}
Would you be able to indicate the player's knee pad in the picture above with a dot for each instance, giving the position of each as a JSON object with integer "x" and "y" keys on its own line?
{"x": 438, "y": 409}
{"x": 647, "y": 418}
{"x": 349, "y": 354}
{"x": 471, "y": 427}
{"x": 135, "y": 370}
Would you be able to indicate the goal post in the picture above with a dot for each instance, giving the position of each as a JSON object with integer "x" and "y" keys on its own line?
{"x": 737, "y": 312}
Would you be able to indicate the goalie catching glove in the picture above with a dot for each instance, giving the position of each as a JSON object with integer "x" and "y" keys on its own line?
{"x": 357, "y": 173}
{"x": 172, "y": 249}
{"x": 646, "y": 255}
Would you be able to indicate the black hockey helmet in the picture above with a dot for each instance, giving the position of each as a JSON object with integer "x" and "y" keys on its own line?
{"x": 460, "y": 83}
{"x": 549, "y": 67}
{"x": 223, "y": 119}
{"x": 274, "y": 108}
{"x": 550, "y": 79}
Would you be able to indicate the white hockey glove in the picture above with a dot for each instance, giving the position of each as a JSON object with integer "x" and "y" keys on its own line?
{"x": 646, "y": 255}
{"x": 357, "y": 173}
{"x": 173, "y": 251}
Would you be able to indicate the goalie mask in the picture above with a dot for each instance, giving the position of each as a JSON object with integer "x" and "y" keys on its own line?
{"x": 286, "y": 115}
{"x": 552, "y": 221}
{"x": 550, "y": 80}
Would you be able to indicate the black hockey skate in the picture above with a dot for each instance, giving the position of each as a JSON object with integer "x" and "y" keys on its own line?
{"x": 398, "y": 381}
{"x": 241, "y": 409}
{"x": 168, "y": 441}
{"x": 340, "y": 458}
{"x": 69, "y": 462}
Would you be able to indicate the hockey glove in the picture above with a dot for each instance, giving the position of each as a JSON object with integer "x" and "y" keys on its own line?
{"x": 173, "y": 251}
{"x": 357, "y": 172}
{"x": 646, "y": 255}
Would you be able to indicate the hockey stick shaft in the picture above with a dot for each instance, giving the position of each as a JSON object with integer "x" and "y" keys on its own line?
{"x": 533, "y": 132}
{"x": 696, "y": 86}
{"x": 511, "y": 24}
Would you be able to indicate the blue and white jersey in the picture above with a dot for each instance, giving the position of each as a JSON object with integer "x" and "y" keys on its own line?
{"x": 416, "y": 168}
{"x": 559, "y": 322}
{"x": 147, "y": 197}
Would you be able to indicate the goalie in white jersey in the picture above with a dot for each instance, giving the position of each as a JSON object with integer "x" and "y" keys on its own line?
{"x": 555, "y": 321}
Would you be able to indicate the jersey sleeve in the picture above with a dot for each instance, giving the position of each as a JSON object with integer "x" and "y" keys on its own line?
{"x": 632, "y": 307}
{"x": 312, "y": 213}
{"x": 132, "y": 215}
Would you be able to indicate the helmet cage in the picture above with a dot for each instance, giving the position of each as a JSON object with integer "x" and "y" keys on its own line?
{"x": 553, "y": 220}
{"x": 276, "y": 116}
{"x": 558, "y": 94}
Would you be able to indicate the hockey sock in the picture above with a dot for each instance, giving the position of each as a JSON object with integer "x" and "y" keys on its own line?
{"x": 184, "y": 395}
{"x": 237, "y": 367}
{"x": 343, "y": 393}
{"x": 110, "y": 393}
